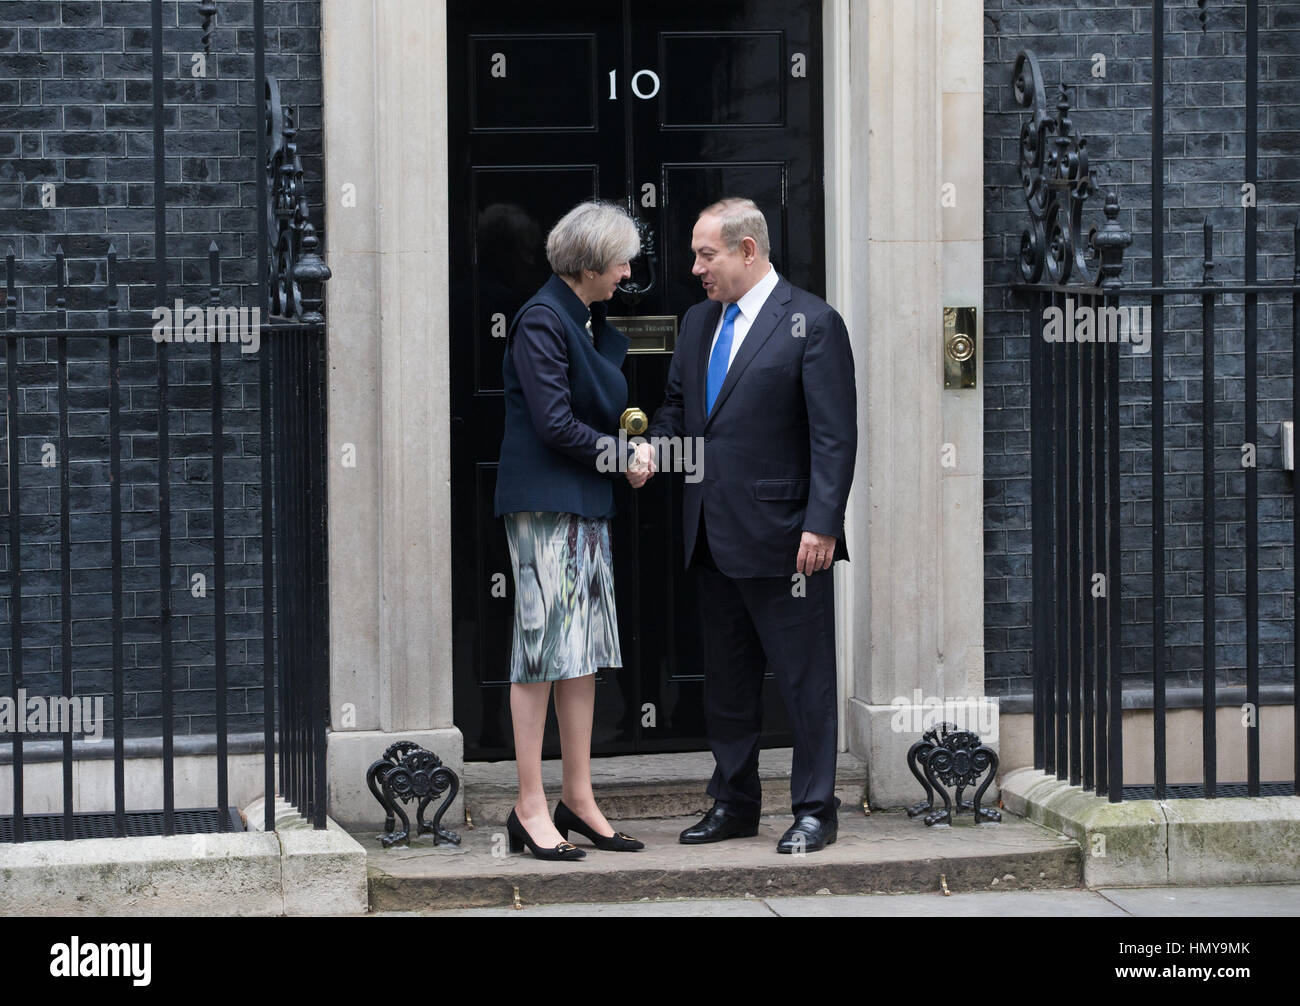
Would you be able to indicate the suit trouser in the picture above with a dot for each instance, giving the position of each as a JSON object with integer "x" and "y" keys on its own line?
{"x": 748, "y": 625}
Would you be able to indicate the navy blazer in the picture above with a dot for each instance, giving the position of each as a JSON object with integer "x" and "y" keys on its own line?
{"x": 564, "y": 395}
{"x": 779, "y": 448}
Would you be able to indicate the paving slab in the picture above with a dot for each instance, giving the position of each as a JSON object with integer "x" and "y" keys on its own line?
{"x": 1237, "y": 900}
{"x": 686, "y": 908}
{"x": 1251, "y": 901}
{"x": 1000, "y": 904}
{"x": 885, "y": 852}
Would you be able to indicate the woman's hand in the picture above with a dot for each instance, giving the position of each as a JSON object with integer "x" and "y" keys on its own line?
{"x": 642, "y": 465}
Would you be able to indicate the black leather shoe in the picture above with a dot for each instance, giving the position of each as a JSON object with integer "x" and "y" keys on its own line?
{"x": 716, "y": 825}
{"x": 808, "y": 834}
{"x": 567, "y": 821}
{"x": 519, "y": 838}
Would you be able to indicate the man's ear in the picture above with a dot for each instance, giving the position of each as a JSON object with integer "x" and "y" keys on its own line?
{"x": 749, "y": 247}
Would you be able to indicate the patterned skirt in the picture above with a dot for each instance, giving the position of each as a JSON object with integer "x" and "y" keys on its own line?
{"x": 565, "y": 622}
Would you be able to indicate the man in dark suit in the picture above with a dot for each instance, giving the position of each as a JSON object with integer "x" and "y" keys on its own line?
{"x": 763, "y": 375}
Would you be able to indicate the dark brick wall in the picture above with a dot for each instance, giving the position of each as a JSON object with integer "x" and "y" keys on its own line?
{"x": 76, "y": 112}
{"x": 1205, "y": 100}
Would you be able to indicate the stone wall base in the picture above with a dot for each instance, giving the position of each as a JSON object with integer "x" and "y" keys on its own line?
{"x": 1227, "y": 840}
{"x": 292, "y": 871}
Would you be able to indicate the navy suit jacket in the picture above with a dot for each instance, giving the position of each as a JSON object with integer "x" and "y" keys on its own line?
{"x": 778, "y": 449}
{"x": 564, "y": 393}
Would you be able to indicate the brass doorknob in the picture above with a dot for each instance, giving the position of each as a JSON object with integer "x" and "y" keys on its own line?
{"x": 634, "y": 422}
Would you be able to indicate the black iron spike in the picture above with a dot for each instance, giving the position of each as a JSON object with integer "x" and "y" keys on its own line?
{"x": 11, "y": 301}
{"x": 112, "y": 284}
{"x": 214, "y": 267}
{"x": 61, "y": 298}
{"x": 1207, "y": 276}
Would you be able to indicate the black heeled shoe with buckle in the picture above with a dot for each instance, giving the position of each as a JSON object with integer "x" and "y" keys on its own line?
{"x": 519, "y": 837}
{"x": 566, "y": 821}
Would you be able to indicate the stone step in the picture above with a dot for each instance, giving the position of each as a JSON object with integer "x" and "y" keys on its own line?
{"x": 645, "y": 786}
{"x": 885, "y": 852}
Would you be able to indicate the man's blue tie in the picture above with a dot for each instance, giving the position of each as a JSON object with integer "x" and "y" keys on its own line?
{"x": 720, "y": 358}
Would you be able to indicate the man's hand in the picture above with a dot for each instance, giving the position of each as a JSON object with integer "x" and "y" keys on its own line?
{"x": 816, "y": 551}
{"x": 642, "y": 466}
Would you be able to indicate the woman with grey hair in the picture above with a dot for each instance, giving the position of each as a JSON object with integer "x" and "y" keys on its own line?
{"x": 564, "y": 394}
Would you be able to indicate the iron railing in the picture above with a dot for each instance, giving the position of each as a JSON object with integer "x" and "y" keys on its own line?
{"x": 291, "y": 413}
{"x": 1077, "y": 618}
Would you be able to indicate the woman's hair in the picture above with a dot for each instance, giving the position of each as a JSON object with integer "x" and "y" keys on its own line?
{"x": 592, "y": 235}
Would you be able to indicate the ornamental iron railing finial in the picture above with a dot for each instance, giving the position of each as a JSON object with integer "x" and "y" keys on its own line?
{"x": 1054, "y": 174}
{"x": 297, "y": 274}
{"x": 1109, "y": 243}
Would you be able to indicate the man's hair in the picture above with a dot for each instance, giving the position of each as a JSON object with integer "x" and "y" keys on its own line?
{"x": 740, "y": 218}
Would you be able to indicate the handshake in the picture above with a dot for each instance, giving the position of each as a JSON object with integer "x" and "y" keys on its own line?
{"x": 647, "y": 457}
{"x": 642, "y": 466}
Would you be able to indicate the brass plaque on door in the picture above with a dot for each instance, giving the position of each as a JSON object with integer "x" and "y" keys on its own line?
{"x": 650, "y": 333}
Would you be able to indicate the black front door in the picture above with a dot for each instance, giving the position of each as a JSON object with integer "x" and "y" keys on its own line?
{"x": 663, "y": 106}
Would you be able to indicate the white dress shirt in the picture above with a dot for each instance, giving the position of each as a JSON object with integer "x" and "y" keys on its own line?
{"x": 750, "y": 304}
